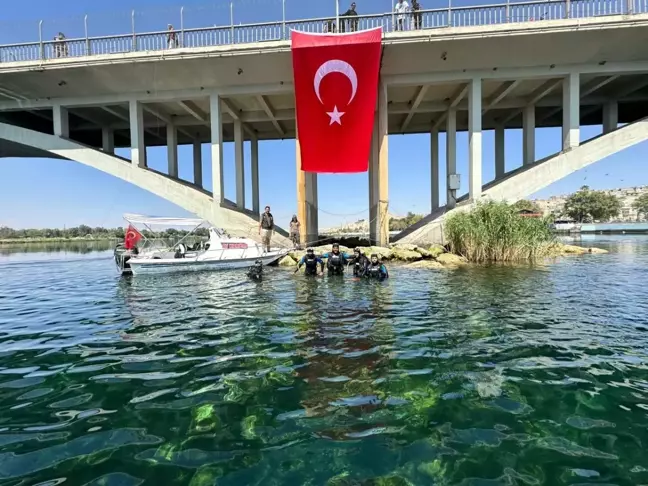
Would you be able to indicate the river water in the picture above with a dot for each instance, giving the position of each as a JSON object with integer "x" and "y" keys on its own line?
{"x": 478, "y": 376}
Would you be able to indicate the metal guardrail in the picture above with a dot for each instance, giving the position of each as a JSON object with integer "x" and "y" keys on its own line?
{"x": 496, "y": 14}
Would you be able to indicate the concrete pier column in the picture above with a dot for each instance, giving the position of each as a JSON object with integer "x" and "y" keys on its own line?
{"x": 216, "y": 121}
{"x": 239, "y": 163}
{"x": 197, "y": 163}
{"x": 138, "y": 143}
{"x": 307, "y": 210}
{"x": 378, "y": 175}
{"x": 312, "y": 208}
{"x": 108, "y": 140}
{"x": 610, "y": 116}
{"x": 571, "y": 111}
{"x": 528, "y": 135}
{"x": 172, "y": 150}
{"x": 61, "y": 121}
{"x": 451, "y": 156}
{"x": 434, "y": 169}
{"x": 500, "y": 150}
{"x": 475, "y": 139}
{"x": 254, "y": 166}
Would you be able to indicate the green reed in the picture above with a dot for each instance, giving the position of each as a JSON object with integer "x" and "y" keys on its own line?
{"x": 495, "y": 231}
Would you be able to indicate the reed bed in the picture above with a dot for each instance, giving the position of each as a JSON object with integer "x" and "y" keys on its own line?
{"x": 496, "y": 232}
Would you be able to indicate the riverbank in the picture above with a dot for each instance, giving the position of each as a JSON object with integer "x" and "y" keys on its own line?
{"x": 435, "y": 256}
{"x": 22, "y": 241}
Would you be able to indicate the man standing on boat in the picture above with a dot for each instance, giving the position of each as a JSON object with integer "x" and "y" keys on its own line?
{"x": 266, "y": 227}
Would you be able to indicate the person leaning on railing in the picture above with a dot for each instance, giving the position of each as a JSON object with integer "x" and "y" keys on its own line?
{"x": 352, "y": 21}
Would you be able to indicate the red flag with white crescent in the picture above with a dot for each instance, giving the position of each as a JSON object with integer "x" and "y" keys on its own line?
{"x": 336, "y": 87}
{"x": 132, "y": 237}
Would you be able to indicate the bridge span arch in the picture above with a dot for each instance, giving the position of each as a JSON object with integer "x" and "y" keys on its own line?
{"x": 21, "y": 142}
{"x": 531, "y": 178}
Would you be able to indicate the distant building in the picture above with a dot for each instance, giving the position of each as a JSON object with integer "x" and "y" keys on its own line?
{"x": 555, "y": 204}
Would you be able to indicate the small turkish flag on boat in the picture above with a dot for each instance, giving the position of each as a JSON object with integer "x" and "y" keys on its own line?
{"x": 132, "y": 237}
{"x": 336, "y": 86}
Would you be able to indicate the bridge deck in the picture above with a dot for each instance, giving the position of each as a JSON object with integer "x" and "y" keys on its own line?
{"x": 426, "y": 71}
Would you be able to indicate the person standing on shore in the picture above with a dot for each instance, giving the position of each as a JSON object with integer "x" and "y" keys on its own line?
{"x": 266, "y": 227}
{"x": 294, "y": 232}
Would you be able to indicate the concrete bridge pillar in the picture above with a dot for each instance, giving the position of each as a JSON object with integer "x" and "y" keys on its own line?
{"x": 610, "y": 116}
{"x": 528, "y": 135}
{"x": 108, "y": 140}
{"x": 307, "y": 209}
{"x": 434, "y": 168}
{"x": 571, "y": 111}
{"x": 378, "y": 174}
{"x": 451, "y": 155}
{"x": 216, "y": 122}
{"x": 239, "y": 163}
{"x": 475, "y": 139}
{"x": 197, "y": 163}
{"x": 500, "y": 137}
{"x": 138, "y": 144}
{"x": 254, "y": 167}
{"x": 61, "y": 121}
{"x": 172, "y": 150}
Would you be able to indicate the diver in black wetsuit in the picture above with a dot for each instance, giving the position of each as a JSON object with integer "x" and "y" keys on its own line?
{"x": 311, "y": 261}
{"x": 375, "y": 269}
{"x": 336, "y": 261}
{"x": 359, "y": 262}
{"x": 255, "y": 272}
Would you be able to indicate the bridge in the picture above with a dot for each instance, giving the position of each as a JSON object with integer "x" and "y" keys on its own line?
{"x": 496, "y": 67}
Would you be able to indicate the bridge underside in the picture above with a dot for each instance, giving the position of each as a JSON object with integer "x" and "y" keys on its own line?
{"x": 411, "y": 109}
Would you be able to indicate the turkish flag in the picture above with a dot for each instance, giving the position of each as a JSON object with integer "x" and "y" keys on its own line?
{"x": 132, "y": 237}
{"x": 336, "y": 85}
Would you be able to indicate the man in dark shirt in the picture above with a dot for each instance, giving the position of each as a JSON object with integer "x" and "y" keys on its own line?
{"x": 352, "y": 23}
{"x": 416, "y": 14}
{"x": 266, "y": 227}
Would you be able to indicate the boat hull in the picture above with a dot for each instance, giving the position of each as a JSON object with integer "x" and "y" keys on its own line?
{"x": 164, "y": 266}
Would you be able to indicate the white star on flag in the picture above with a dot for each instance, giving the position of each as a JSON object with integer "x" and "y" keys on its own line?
{"x": 336, "y": 116}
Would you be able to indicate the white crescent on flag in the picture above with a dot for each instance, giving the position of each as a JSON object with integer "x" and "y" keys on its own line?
{"x": 336, "y": 66}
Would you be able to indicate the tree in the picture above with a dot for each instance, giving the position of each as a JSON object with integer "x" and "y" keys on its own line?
{"x": 587, "y": 205}
{"x": 526, "y": 205}
{"x": 641, "y": 204}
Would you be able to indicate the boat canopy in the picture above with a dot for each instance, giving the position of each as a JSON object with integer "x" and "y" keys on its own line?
{"x": 168, "y": 222}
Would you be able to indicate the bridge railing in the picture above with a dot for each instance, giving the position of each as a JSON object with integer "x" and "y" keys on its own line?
{"x": 484, "y": 15}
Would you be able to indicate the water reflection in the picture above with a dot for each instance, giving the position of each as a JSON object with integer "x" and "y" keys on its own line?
{"x": 483, "y": 375}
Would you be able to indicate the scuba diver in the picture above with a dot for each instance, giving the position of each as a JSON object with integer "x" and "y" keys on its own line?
{"x": 376, "y": 269}
{"x": 311, "y": 261}
{"x": 360, "y": 263}
{"x": 255, "y": 272}
{"x": 336, "y": 261}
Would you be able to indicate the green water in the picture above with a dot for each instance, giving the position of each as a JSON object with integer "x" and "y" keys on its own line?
{"x": 508, "y": 375}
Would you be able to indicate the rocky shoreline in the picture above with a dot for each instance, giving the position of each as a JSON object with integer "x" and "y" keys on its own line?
{"x": 413, "y": 256}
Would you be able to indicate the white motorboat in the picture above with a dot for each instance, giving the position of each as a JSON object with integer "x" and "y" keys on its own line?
{"x": 220, "y": 252}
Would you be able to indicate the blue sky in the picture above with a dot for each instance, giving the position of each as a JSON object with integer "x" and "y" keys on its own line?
{"x": 53, "y": 193}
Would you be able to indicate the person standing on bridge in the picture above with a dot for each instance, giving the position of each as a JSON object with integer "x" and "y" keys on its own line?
{"x": 401, "y": 8}
{"x": 266, "y": 227}
{"x": 352, "y": 22}
{"x": 172, "y": 38}
{"x": 416, "y": 14}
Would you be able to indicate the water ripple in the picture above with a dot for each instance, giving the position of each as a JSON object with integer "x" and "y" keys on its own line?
{"x": 532, "y": 374}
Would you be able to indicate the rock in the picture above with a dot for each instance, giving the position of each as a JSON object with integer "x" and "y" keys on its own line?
{"x": 320, "y": 250}
{"x": 384, "y": 253}
{"x": 436, "y": 250}
{"x": 287, "y": 261}
{"x": 427, "y": 264}
{"x": 577, "y": 250}
{"x": 449, "y": 259}
{"x": 405, "y": 255}
{"x": 296, "y": 254}
{"x": 404, "y": 246}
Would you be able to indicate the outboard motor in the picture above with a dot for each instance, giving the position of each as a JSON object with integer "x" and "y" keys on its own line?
{"x": 122, "y": 255}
